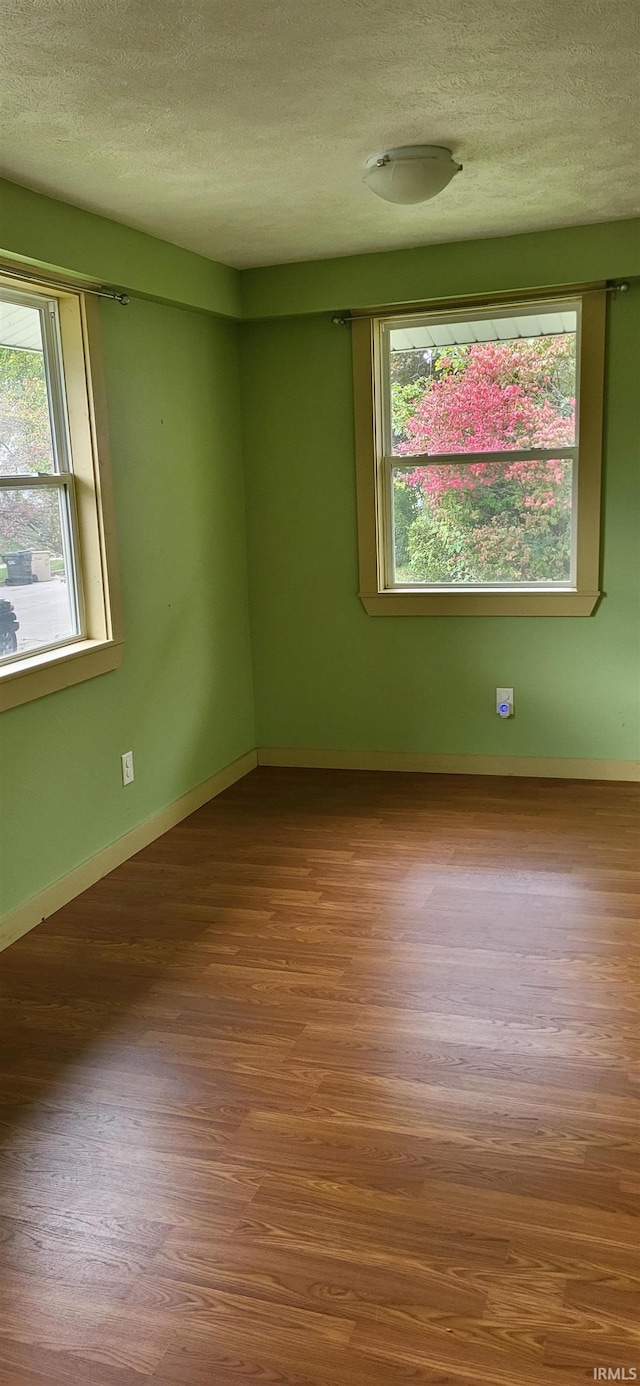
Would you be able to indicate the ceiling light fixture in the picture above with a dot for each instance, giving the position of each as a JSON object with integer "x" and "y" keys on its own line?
{"x": 411, "y": 174}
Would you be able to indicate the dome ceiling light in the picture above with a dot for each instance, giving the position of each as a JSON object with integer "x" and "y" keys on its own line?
{"x": 414, "y": 173}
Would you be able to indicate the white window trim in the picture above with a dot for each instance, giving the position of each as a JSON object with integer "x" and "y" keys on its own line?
{"x": 99, "y": 650}
{"x": 379, "y": 594}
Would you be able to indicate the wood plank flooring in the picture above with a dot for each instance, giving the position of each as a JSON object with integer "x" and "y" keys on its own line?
{"x": 336, "y": 1084}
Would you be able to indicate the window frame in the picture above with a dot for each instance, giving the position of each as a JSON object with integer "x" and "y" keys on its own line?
{"x": 85, "y": 475}
{"x": 382, "y": 597}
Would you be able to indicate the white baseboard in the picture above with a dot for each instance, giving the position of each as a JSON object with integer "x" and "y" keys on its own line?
{"x": 547, "y": 767}
{"x": 39, "y": 907}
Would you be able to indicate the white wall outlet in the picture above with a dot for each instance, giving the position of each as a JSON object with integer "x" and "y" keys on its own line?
{"x": 127, "y": 767}
{"x": 504, "y": 702}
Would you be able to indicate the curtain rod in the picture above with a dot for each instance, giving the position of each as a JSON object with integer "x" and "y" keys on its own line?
{"x": 346, "y": 319}
{"x": 61, "y": 284}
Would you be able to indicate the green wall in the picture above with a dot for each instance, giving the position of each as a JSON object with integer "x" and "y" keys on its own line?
{"x": 326, "y": 674}
{"x": 570, "y": 255}
{"x": 53, "y": 235}
{"x": 182, "y": 700}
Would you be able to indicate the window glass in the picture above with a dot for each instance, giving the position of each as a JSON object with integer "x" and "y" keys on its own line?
{"x": 36, "y": 575}
{"x": 483, "y": 522}
{"x": 26, "y": 442}
{"x": 495, "y": 385}
{"x": 38, "y": 579}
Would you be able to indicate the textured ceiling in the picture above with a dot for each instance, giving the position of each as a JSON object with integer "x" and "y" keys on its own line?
{"x": 240, "y": 128}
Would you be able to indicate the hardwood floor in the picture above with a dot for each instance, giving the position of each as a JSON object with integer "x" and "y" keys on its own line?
{"x": 333, "y": 1085}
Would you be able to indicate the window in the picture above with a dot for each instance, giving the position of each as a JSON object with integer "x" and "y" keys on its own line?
{"x": 57, "y": 619}
{"x": 478, "y": 440}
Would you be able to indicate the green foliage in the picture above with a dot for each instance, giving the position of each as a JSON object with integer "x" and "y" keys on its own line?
{"x": 410, "y": 373}
{"x": 404, "y": 403}
{"x": 488, "y": 535}
{"x": 407, "y": 507}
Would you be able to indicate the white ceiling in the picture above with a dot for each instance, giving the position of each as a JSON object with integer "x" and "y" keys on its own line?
{"x": 240, "y": 128}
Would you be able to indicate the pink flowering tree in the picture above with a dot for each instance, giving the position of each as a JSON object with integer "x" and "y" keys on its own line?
{"x": 485, "y": 521}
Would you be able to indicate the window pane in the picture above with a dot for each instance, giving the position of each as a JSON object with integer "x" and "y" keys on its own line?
{"x": 35, "y": 570}
{"x": 25, "y": 429}
{"x": 493, "y": 394}
{"x": 483, "y": 522}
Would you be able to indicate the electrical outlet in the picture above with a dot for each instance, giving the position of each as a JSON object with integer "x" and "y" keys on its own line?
{"x": 504, "y": 702}
{"x": 127, "y": 767}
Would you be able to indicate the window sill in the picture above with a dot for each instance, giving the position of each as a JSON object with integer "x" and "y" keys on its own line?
{"x": 493, "y": 602}
{"x": 39, "y": 674}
